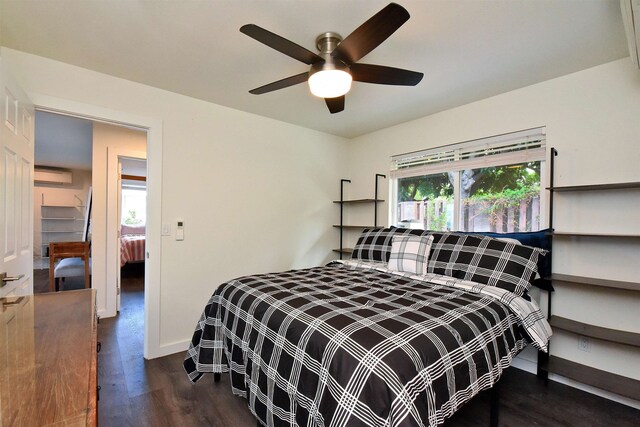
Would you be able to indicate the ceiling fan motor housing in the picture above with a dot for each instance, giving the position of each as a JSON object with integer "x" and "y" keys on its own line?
{"x": 326, "y": 43}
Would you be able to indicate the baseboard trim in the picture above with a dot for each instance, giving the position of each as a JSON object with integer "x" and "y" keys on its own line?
{"x": 167, "y": 349}
{"x": 593, "y": 390}
{"x": 525, "y": 365}
{"x": 532, "y": 367}
{"x": 102, "y": 314}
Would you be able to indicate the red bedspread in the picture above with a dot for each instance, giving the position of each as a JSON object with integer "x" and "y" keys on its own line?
{"x": 131, "y": 248}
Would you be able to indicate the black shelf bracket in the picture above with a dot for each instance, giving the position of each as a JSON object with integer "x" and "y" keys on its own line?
{"x": 554, "y": 154}
{"x": 552, "y": 161}
{"x": 375, "y": 202}
{"x": 342, "y": 181}
{"x": 543, "y": 358}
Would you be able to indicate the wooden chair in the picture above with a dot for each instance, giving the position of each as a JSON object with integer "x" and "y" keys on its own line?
{"x": 73, "y": 256}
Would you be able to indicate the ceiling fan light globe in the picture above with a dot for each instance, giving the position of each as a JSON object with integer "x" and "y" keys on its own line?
{"x": 330, "y": 83}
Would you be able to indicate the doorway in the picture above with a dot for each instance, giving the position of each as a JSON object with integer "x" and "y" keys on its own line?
{"x": 132, "y": 218}
{"x": 106, "y": 299}
{"x": 110, "y": 143}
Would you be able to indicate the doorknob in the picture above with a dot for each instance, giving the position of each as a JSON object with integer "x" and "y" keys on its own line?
{"x": 4, "y": 278}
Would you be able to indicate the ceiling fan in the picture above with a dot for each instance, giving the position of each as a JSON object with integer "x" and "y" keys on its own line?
{"x": 336, "y": 66}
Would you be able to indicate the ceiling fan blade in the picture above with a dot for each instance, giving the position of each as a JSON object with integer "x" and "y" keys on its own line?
{"x": 335, "y": 104}
{"x": 370, "y": 34}
{"x": 281, "y": 84}
{"x": 382, "y": 75}
{"x": 281, "y": 44}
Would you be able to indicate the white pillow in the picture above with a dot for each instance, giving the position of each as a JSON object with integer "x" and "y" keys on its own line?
{"x": 509, "y": 240}
{"x": 409, "y": 254}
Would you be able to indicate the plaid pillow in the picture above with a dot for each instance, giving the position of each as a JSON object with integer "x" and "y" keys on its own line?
{"x": 537, "y": 239}
{"x": 484, "y": 260}
{"x": 409, "y": 254}
{"x": 374, "y": 244}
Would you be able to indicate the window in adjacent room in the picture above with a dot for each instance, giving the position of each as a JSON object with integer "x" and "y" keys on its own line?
{"x": 134, "y": 205}
{"x": 492, "y": 184}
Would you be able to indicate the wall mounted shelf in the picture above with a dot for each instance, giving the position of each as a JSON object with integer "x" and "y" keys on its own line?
{"x": 342, "y": 202}
{"x": 346, "y": 251}
{"x": 359, "y": 201}
{"x": 548, "y": 363}
{"x": 591, "y": 281}
{"x": 606, "y": 235}
{"x": 597, "y": 332}
{"x": 353, "y": 227}
{"x": 59, "y": 223}
{"x": 596, "y": 187}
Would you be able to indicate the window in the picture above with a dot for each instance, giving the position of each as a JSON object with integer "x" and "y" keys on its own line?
{"x": 492, "y": 184}
{"x": 134, "y": 206}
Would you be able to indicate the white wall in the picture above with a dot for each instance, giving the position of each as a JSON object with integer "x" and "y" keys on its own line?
{"x": 254, "y": 193}
{"x": 593, "y": 118}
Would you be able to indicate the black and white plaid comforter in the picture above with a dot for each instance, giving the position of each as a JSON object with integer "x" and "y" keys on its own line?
{"x": 352, "y": 344}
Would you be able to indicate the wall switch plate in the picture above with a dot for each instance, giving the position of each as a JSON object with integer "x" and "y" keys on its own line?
{"x": 166, "y": 229}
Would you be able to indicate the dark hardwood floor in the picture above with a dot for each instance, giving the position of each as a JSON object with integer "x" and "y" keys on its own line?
{"x": 138, "y": 392}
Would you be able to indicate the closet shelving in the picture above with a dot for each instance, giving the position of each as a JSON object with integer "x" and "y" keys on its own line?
{"x": 604, "y": 380}
{"x": 343, "y": 202}
{"x": 59, "y": 223}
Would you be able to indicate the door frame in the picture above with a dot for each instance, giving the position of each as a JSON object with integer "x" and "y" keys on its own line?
{"x": 152, "y": 345}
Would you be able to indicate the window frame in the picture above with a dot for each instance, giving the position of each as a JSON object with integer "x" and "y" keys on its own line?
{"x": 450, "y": 155}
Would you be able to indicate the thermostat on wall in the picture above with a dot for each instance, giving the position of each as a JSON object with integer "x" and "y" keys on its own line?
{"x": 179, "y": 229}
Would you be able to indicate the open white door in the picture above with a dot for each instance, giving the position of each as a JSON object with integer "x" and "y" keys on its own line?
{"x": 16, "y": 187}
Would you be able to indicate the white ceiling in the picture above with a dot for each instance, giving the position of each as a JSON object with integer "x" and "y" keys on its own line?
{"x": 67, "y": 142}
{"x": 467, "y": 49}
{"x": 63, "y": 141}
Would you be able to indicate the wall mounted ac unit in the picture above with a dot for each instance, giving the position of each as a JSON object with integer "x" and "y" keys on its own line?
{"x": 52, "y": 176}
{"x": 631, "y": 18}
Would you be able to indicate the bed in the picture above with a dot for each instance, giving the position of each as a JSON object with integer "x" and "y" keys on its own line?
{"x": 132, "y": 244}
{"x": 411, "y": 328}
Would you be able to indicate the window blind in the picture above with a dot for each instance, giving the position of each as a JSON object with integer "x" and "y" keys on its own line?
{"x": 516, "y": 147}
